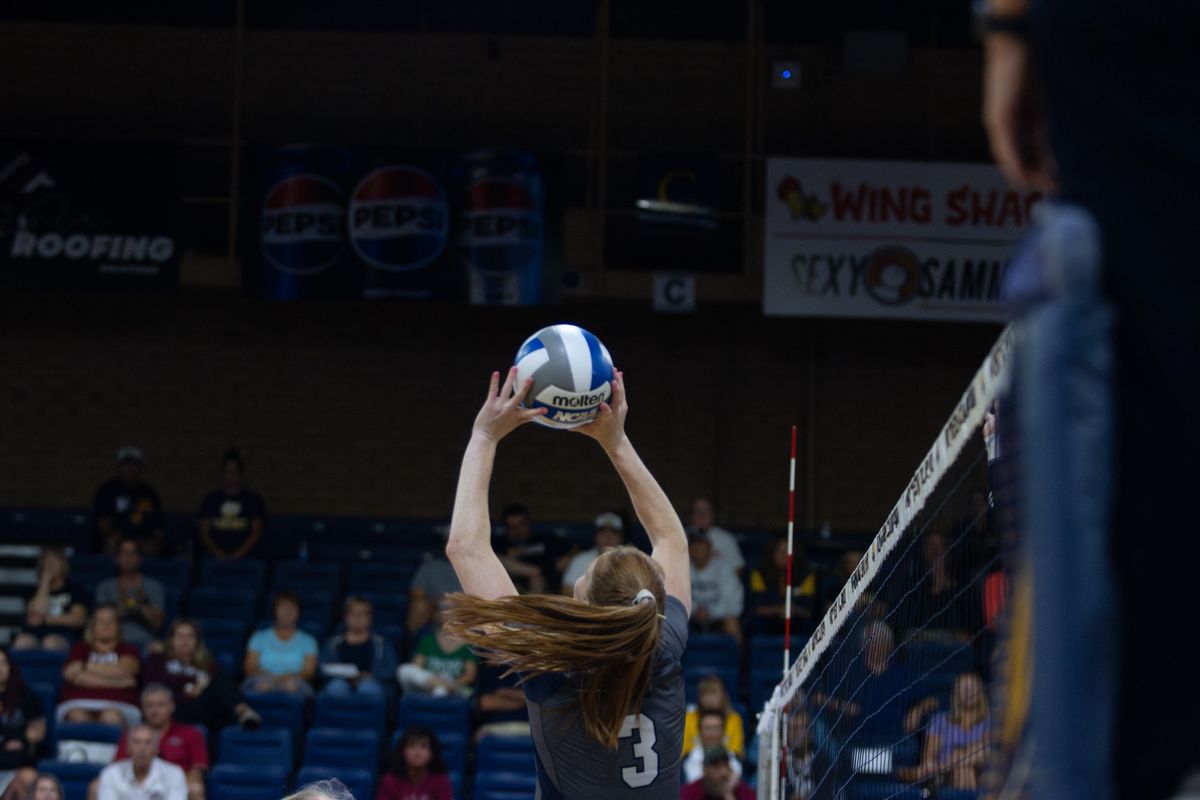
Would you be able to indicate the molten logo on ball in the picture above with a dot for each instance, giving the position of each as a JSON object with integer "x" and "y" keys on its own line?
{"x": 572, "y": 374}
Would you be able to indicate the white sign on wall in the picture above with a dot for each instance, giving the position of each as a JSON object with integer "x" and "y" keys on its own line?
{"x": 889, "y": 239}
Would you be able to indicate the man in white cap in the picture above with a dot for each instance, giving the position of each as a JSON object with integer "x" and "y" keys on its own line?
{"x": 125, "y": 505}
{"x": 610, "y": 532}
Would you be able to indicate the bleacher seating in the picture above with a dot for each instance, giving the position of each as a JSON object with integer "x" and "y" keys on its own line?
{"x": 504, "y": 754}
{"x": 39, "y": 666}
{"x": 884, "y": 790}
{"x": 505, "y": 785}
{"x": 711, "y": 650}
{"x": 246, "y": 575}
{"x": 267, "y": 745}
{"x": 262, "y": 781}
{"x": 208, "y": 603}
{"x": 353, "y": 712}
{"x": 280, "y": 710}
{"x": 335, "y": 747}
{"x": 86, "y": 741}
{"x": 308, "y": 576}
{"x": 382, "y": 577}
{"x": 48, "y": 694}
{"x": 170, "y": 572}
{"x": 438, "y": 713}
{"x": 75, "y": 777}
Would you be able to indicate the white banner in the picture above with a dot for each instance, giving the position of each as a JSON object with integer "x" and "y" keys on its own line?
{"x": 889, "y": 238}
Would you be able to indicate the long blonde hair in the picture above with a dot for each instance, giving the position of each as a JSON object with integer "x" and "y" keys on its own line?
{"x": 610, "y": 642}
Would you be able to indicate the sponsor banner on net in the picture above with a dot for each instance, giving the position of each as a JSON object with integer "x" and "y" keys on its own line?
{"x": 889, "y": 239}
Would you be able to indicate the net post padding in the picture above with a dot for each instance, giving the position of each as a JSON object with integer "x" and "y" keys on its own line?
{"x": 990, "y": 379}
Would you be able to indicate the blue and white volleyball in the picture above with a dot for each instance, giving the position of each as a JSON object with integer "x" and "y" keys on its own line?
{"x": 572, "y": 375}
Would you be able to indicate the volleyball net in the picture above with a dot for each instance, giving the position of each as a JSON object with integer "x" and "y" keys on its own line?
{"x": 889, "y": 699}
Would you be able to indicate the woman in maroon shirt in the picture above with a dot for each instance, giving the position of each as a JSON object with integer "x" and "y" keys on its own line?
{"x": 100, "y": 675}
{"x": 417, "y": 770}
{"x": 204, "y": 693}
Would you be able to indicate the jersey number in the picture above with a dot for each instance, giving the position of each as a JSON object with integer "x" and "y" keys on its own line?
{"x": 642, "y": 774}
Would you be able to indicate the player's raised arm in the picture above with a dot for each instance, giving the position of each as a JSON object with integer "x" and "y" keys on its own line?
{"x": 655, "y": 511}
{"x": 469, "y": 547}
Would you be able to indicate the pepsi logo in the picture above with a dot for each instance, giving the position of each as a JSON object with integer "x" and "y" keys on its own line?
{"x": 301, "y": 226}
{"x": 398, "y": 218}
{"x": 501, "y": 226}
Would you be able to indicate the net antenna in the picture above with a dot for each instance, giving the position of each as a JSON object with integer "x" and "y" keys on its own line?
{"x": 989, "y": 381}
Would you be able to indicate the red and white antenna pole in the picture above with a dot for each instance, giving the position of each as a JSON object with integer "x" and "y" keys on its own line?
{"x": 791, "y": 532}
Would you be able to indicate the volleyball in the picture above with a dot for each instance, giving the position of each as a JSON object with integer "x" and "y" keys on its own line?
{"x": 572, "y": 375}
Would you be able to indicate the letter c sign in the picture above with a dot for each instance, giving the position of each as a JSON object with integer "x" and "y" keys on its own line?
{"x": 674, "y": 292}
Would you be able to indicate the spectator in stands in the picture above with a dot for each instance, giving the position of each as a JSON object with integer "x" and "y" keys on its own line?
{"x": 22, "y": 730}
{"x": 127, "y": 505}
{"x": 879, "y": 691}
{"x": 956, "y": 741}
{"x": 529, "y": 557}
{"x": 100, "y": 675}
{"x": 716, "y": 591}
{"x": 723, "y": 542}
{"x": 204, "y": 694}
{"x": 813, "y": 751}
{"x": 57, "y": 611}
{"x": 369, "y": 654}
{"x": 47, "y": 787}
{"x": 934, "y": 589}
{"x": 718, "y": 781}
{"x": 178, "y": 744}
{"x": 500, "y": 703}
{"x": 282, "y": 658}
{"x": 143, "y": 775}
{"x": 440, "y": 665}
{"x": 432, "y": 580}
{"x": 416, "y": 770}
{"x": 711, "y": 736}
{"x": 711, "y": 696}
{"x": 610, "y": 532}
{"x": 139, "y": 600}
{"x": 232, "y": 518}
{"x": 768, "y": 591}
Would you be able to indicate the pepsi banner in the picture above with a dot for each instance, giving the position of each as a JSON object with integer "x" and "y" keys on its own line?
{"x": 889, "y": 239}
{"x": 332, "y": 222}
{"x": 89, "y": 216}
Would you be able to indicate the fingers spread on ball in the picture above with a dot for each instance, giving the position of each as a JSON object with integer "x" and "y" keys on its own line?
{"x": 508, "y": 382}
{"x": 523, "y": 389}
{"x": 493, "y": 385}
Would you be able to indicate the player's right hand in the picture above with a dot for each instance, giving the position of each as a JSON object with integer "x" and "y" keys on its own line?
{"x": 502, "y": 411}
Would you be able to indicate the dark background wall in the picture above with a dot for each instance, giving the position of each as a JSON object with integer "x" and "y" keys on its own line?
{"x": 364, "y": 409}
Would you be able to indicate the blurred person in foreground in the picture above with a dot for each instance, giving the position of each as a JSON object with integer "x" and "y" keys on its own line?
{"x": 1096, "y": 104}
{"x": 142, "y": 776}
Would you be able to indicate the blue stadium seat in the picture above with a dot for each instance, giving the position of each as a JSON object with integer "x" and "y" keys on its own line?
{"x": 439, "y": 713}
{"x": 308, "y": 576}
{"x": 505, "y": 785}
{"x": 245, "y": 575}
{"x": 39, "y": 666}
{"x": 226, "y": 639}
{"x": 730, "y": 676}
{"x": 884, "y": 790}
{"x": 382, "y": 577}
{"x": 170, "y": 572}
{"x": 357, "y": 712}
{"x": 75, "y": 777}
{"x": 766, "y": 652}
{"x": 359, "y": 780}
{"x": 454, "y": 750}
{"x": 262, "y": 746}
{"x": 48, "y": 694}
{"x": 711, "y": 650}
{"x": 762, "y": 684}
{"x": 333, "y": 747}
{"x": 87, "y": 732}
{"x": 260, "y": 781}
{"x": 279, "y": 710}
{"x": 208, "y": 603}
{"x": 456, "y": 781}
{"x": 957, "y": 794}
{"x": 505, "y": 754}
{"x": 91, "y": 569}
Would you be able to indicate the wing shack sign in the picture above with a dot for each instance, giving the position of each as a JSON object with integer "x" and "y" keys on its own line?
{"x": 889, "y": 239}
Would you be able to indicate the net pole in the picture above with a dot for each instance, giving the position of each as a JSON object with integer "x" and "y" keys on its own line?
{"x": 791, "y": 532}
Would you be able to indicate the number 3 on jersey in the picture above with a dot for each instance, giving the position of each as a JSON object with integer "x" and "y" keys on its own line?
{"x": 645, "y": 771}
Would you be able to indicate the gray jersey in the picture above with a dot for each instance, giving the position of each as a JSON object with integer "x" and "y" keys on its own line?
{"x": 571, "y": 765}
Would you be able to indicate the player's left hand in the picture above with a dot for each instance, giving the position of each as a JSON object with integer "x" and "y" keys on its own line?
{"x": 502, "y": 411}
{"x": 608, "y": 428}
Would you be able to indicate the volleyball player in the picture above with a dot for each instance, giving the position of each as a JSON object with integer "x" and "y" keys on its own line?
{"x": 601, "y": 670}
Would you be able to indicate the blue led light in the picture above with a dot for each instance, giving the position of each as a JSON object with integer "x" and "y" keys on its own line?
{"x": 787, "y": 73}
